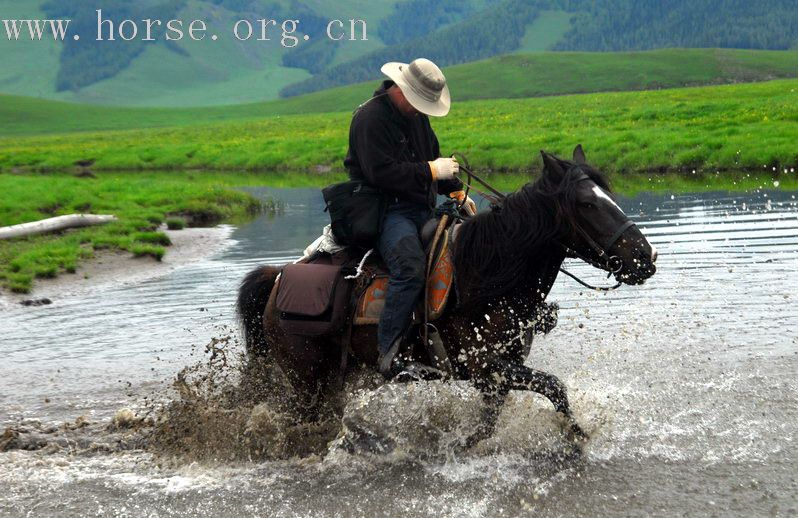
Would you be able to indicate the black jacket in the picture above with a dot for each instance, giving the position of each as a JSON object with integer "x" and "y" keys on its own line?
{"x": 391, "y": 151}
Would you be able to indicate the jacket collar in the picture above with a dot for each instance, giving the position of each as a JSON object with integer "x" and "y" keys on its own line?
{"x": 381, "y": 95}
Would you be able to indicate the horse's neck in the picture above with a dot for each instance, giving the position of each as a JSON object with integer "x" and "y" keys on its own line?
{"x": 551, "y": 269}
{"x": 522, "y": 256}
{"x": 531, "y": 290}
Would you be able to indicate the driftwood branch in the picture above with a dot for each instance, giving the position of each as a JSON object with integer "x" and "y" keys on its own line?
{"x": 54, "y": 224}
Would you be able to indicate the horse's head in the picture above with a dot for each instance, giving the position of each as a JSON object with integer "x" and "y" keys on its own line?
{"x": 594, "y": 227}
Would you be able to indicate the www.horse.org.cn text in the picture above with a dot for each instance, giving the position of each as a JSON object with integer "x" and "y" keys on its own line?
{"x": 288, "y": 33}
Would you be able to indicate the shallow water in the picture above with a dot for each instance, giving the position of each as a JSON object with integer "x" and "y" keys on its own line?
{"x": 687, "y": 382}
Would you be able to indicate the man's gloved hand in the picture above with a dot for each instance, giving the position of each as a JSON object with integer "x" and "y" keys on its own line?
{"x": 444, "y": 168}
{"x": 469, "y": 206}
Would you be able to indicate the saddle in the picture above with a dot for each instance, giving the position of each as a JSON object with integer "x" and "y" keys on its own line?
{"x": 323, "y": 293}
{"x": 440, "y": 280}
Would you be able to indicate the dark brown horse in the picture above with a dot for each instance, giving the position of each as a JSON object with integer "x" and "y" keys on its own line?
{"x": 506, "y": 261}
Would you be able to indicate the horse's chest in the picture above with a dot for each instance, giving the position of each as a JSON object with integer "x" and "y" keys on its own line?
{"x": 504, "y": 330}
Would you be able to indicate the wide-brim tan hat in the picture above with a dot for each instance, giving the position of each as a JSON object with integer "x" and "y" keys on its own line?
{"x": 423, "y": 85}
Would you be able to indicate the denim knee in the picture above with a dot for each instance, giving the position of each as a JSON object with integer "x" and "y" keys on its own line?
{"x": 409, "y": 261}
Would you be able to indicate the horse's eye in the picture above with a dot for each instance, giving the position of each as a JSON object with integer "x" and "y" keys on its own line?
{"x": 586, "y": 205}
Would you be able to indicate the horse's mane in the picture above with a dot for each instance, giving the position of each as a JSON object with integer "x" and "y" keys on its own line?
{"x": 498, "y": 251}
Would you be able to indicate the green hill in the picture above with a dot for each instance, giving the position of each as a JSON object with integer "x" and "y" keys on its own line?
{"x": 581, "y": 25}
{"x": 183, "y": 73}
{"x": 28, "y": 67}
{"x": 229, "y": 72}
{"x": 512, "y": 76}
{"x": 708, "y": 128}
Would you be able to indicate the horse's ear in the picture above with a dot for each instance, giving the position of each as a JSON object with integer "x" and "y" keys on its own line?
{"x": 579, "y": 155}
{"x": 552, "y": 165}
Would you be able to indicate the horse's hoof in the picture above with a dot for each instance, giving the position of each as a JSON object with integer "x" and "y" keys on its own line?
{"x": 360, "y": 439}
{"x": 576, "y": 434}
{"x": 472, "y": 440}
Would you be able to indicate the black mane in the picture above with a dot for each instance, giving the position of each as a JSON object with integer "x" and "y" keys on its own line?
{"x": 500, "y": 251}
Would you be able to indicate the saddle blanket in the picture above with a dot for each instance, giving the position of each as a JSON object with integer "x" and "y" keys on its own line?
{"x": 312, "y": 295}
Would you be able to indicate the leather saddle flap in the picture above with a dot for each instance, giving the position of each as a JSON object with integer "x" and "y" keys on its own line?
{"x": 371, "y": 301}
{"x": 307, "y": 289}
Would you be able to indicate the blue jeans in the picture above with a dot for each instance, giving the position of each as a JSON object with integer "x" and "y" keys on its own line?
{"x": 400, "y": 247}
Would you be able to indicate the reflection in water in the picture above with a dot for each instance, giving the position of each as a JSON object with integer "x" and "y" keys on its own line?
{"x": 690, "y": 379}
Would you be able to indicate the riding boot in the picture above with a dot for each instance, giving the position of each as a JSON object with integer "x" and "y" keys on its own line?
{"x": 390, "y": 363}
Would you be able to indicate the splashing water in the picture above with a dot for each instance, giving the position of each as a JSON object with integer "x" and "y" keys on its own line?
{"x": 686, "y": 385}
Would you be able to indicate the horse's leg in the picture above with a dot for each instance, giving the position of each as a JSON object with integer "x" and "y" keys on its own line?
{"x": 515, "y": 376}
{"x": 306, "y": 365}
{"x": 493, "y": 399}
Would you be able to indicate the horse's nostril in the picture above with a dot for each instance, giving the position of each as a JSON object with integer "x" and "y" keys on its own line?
{"x": 653, "y": 254}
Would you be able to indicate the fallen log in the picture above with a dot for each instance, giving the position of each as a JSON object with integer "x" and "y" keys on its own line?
{"x": 54, "y": 224}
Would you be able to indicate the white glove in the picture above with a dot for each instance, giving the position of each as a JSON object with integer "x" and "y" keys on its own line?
{"x": 468, "y": 206}
{"x": 444, "y": 168}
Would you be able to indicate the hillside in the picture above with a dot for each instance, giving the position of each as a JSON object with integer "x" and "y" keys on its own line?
{"x": 731, "y": 127}
{"x": 586, "y": 25}
{"x": 512, "y": 76}
{"x": 229, "y": 72}
{"x": 184, "y": 73}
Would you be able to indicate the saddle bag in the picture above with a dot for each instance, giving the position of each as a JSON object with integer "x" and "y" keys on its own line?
{"x": 356, "y": 211}
{"x": 313, "y": 299}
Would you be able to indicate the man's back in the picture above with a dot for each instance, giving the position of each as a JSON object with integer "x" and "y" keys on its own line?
{"x": 391, "y": 151}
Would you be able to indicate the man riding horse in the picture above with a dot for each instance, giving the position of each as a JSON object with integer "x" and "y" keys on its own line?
{"x": 504, "y": 263}
{"x": 393, "y": 147}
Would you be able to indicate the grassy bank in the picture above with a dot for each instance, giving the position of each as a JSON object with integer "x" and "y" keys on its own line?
{"x": 141, "y": 202}
{"x": 513, "y": 76}
{"x": 731, "y": 127}
{"x": 144, "y": 200}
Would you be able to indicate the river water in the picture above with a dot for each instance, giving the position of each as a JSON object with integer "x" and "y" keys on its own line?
{"x": 687, "y": 383}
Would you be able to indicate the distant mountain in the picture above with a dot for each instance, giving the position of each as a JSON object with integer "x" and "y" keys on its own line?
{"x": 227, "y": 71}
{"x": 588, "y": 25}
{"x": 512, "y": 76}
{"x": 164, "y": 73}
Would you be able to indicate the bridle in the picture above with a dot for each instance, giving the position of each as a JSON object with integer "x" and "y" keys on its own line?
{"x": 609, "y": 263}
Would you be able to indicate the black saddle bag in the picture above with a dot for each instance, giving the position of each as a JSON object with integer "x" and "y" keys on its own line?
{"x": 357, "y": 211}
{"x": 313, "y": 299}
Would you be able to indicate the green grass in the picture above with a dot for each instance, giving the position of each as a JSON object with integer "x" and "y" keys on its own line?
{"x": 141, "y": 201}
{"x": 512, "y": 76}
{"x": 153, "y": 238}
{"x": 546, "y": 30}
{"x": 733, "y": 127}
{"x": 175, "y": 223}
{"x": 626, "y": 184}
{"x": 147, "y": 250}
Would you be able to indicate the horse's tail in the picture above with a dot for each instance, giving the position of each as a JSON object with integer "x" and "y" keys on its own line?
{"x": 252, "y": 298}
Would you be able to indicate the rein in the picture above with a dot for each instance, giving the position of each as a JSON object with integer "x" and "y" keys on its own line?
{"x": 497, "y": 198}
